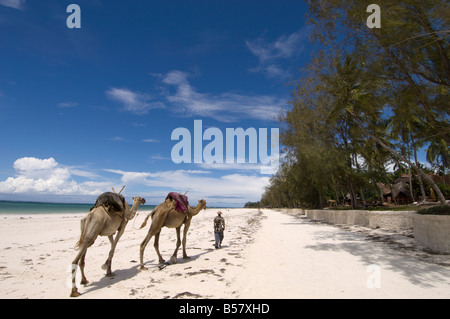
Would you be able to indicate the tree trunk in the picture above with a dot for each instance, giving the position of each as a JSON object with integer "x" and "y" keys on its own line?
{"x": 422, "y": 189}
{"x": 352, "y": 192}
{"x": 411, "y": 193}
{"x": 362, "y": 196}
{"x": 408, "y": 151}
{"x": 320, "y": 200}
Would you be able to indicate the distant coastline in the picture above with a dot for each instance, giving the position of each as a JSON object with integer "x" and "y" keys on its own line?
{"x": 30, "y": 207}
{"x": 25, "y": 207}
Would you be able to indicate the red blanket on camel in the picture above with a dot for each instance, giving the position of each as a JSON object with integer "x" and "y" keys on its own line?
{"x": 182, "y": 202}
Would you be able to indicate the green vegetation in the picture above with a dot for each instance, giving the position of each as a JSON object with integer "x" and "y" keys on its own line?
{"x": 369, "y": 99}
{"x": 436, "y": 210}
{"x": 252, "y": 205}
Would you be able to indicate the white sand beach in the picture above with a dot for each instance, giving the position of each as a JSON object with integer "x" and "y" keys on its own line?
{"x": 265, "y": 254}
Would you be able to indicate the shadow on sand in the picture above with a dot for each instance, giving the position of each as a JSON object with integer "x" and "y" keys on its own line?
{"x": 118, "y": 276}
{"x": 125, "y": 274}
{"x": 407, "y": 260}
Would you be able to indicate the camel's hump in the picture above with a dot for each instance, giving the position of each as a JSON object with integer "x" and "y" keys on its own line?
{"x": 114, "y": 201}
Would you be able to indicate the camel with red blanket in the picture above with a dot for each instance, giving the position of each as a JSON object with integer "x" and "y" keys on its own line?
{"x": 172, "y": 213}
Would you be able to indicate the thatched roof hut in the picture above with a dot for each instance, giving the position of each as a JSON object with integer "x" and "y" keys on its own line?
{"x": 398, "y": 191}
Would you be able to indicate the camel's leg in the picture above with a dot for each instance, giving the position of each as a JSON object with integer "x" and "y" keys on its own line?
{"x": 156, "y": 245}
{"x": 157, "y": 223}
{"x": 144, "y": 243}
{"x": 114, "y": 241}
{"x": 83, "y": 281}
{"x": 91, "y": 233}
{"x": 173, "y": 259}
{"x": 107, "y": 265}
{"x": 80, "y": 256}
{"x": 81, "y": 263}
{"x": 185, "y": 230}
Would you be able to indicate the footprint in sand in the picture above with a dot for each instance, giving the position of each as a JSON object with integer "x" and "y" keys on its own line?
{"x": 27, "y": 262}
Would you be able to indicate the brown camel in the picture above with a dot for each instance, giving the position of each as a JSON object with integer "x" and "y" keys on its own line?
{"x": 111, "y": 213}
{"x": 166, "y": 215}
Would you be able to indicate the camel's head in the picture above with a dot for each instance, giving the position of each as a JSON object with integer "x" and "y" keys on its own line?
{"x": 139, "y": 200}
{"x": 202, "y": 203}
{"x": 130, "y": 213}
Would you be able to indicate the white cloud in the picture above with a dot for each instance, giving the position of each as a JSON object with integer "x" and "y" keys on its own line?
{"x": 150, "y": 140}
{"x": 130, "y": 177}
{"x": 42, "y": 179}
{"x": 48, "y": 177}
{"x": 271, "y": 71}
{"x": 266, "y": 169}
{"x": 116, "y": 139}
{"x": 81, "y": 172}
{"x": 225, "y": 107}
{"x": 232, "y": 189}
{"x": 160, "y": 157}
{"x": 231, "y": 166}
{"x": 16, "y": 4}
{"x": 283, "y": 47}
{"x": 185, "y": 100}
{"x": 270, "y": 54}
{"x": 135, "y": 102}
{"x": 26, "y": 165}
{"x": 67, "y": 104}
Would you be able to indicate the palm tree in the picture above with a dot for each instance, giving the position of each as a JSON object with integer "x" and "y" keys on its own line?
{"x": 438, "y": 152}
{"x": 355, "y": 93}
{"x": 405, "y": 124}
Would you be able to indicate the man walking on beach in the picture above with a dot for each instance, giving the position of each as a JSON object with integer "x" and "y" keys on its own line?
{"x": 219, "y": 227}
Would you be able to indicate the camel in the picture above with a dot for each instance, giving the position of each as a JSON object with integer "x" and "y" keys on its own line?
{"x": 110, "y": 213}
{"x": 166, "y": 215}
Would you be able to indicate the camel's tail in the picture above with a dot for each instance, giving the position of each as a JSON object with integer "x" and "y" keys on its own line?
{"x": 84, "y": 226}
{"x": 146, "y": 218}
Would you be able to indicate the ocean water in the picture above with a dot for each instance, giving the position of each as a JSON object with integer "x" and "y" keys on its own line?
{"x": 9, "y": 207}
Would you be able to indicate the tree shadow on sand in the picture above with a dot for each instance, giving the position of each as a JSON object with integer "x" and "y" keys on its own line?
{"x": 408, "y": 261}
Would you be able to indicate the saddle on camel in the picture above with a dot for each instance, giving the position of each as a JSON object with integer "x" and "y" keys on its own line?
{"x": 114, "y": 203}
{"x": 182, "y": 202}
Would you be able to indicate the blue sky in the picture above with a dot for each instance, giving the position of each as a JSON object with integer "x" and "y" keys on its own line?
{"x": 84, "y": 110}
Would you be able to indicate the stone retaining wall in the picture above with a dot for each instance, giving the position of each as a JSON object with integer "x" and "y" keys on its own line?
{"x": 432, "y": 231}
{"x": 346, "y": 217}
{"x": 295, "y": 211}
{"x": 392, "y": 220}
